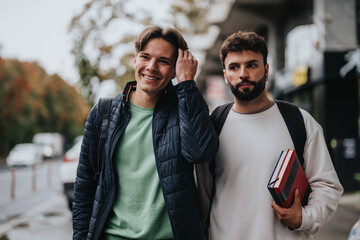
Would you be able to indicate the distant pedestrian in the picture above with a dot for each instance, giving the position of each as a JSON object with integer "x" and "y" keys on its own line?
{"x": 355, "y": 231}
{"x": 157, "y": 131}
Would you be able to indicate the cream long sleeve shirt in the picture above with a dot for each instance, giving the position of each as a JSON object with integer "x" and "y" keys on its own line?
{"x": 250, "y": 145}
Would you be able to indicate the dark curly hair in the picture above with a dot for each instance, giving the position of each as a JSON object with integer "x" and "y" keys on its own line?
{"x": 242, "y": 41}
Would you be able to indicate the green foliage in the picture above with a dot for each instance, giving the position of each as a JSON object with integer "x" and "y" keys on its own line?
{"x": 32, "y": 101}
{"x": 105, "y": 31}
{"x": 357, "y": 177}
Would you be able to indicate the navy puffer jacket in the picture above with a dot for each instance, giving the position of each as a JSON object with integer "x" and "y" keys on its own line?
{"x": 182, "y": 136}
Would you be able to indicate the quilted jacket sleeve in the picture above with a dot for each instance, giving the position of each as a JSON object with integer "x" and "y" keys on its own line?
{"x": 85, "y": 186}
{"x": 199, "y": 142}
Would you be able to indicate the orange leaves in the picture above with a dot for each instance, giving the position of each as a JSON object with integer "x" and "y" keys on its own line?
{"x": 33, "y": 101}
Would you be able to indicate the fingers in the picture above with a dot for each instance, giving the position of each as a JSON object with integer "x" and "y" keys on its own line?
{"x": 278, "y": 210}
{"x": 275, "y": 206}
{"x": 180, "y": 53}
{"x": 185, "y": 54}
{"x": 291, "y": 217}
{"x": 186, "y": 66}
{"x": 297, "y": 197}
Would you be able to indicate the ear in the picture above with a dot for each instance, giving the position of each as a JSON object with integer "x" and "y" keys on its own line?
{"x": 224, "y": 72}
{"x": 267, "y": 70}
{"x": 135, "y": 56}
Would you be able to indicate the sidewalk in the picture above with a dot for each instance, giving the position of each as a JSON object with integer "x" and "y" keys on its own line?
{"x": 50, "y": 219}
{"x": 338, "y": 228}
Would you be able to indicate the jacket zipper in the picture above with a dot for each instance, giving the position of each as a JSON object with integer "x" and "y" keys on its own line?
{"x": 107, "y": 206}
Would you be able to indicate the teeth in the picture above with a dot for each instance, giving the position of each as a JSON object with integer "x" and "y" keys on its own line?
{"x": 150, "y": 78}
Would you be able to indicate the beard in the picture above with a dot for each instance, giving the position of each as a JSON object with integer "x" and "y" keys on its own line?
{"x": 246, "y": 94}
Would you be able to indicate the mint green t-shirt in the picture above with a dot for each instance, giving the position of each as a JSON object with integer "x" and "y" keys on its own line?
{"x": 139, "y": 209}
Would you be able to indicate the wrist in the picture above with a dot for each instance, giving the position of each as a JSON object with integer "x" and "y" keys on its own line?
{"x": 184, "y": 80}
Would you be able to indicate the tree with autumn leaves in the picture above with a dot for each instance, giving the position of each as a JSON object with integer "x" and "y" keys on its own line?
{"x": 32, "y": 101}
{"x": 104, "y": 33}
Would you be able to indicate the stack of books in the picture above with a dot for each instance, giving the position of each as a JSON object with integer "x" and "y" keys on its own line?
{"x": 288, "y": 175}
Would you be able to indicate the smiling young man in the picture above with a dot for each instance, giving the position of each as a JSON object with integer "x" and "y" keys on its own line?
{"x": 156, "y": 133}
{"x": 251, "y": 140}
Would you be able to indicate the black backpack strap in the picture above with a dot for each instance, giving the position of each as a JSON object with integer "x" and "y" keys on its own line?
{"x": 296, "y": 126}
{"x": 219, "y": 115}
{"x": 104, "y": 112}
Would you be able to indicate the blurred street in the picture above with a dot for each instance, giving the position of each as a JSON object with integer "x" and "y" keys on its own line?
{"x": 339, "y": 226}
{"x": 51, "y": 219}
{"x": 23, "y": 188}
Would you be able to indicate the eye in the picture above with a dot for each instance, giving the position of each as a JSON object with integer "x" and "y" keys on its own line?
{"x": 164, "y": 61}
{"x": 233, "y": 67}
{"x": 144, "y": 57}
{"x": 252, "y": 65}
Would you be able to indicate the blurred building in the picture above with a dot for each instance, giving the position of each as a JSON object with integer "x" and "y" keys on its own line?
{"x": 314, "y": 59}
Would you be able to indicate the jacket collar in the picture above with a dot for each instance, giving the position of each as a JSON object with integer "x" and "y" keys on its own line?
{"x": 130, "y": 87}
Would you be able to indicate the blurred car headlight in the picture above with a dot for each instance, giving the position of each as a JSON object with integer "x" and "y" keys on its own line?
{"x": 47, "y": 151}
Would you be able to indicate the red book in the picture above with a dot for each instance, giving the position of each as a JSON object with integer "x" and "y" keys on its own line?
{"x": 288, "y": 175}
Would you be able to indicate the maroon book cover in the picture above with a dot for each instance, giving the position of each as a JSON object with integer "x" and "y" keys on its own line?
{"x": 288, "y": 175}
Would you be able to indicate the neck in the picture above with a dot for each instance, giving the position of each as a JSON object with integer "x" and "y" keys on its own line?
{"x": 262, "y": 102}
{"x": 144, "y": 100}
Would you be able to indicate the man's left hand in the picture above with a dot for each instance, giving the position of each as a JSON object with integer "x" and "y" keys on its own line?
{"x": 186, "y": 66}
{"x": 291, "y": 217}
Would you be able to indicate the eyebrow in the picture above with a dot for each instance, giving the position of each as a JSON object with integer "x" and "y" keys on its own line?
{"x": 161, "y": 57}
{"x": 251, "y": 61}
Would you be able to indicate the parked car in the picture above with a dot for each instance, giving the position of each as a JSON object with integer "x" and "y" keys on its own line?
{"x": 24, "y": 154}
{"x": 51, "y": 144}
{"x": 68, "y": 170}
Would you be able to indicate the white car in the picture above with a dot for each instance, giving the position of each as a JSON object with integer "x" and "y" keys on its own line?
{"x": 24, "y": 154}
{"x": 52, "y": 144}
{"x": 68, "y": 170}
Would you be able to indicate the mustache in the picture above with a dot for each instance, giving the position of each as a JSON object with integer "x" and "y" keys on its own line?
{"x": 245, "y": 81}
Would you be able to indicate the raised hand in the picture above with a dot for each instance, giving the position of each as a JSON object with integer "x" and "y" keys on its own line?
{"x": 186, "y": 66}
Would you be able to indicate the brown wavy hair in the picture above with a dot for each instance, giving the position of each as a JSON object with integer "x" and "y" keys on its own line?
{"x": 170, "y": 35}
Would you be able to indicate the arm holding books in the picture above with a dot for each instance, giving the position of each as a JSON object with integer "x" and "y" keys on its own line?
{"x": 326, "y": 188}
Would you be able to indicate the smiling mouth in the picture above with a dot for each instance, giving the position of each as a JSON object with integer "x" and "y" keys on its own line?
{"x": 150, "y": 78}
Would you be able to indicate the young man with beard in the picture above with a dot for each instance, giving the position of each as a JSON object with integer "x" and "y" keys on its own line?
{"x": 251, "y": 140}
{"x": 156, "y": 133}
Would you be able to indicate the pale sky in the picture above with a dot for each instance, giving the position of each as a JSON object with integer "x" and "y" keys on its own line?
{"x": 36, "y": 30}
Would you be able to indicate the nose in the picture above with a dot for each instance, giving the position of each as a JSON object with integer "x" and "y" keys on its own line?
{"x": 243, "y": 73}
{"x": 151, "y": 66}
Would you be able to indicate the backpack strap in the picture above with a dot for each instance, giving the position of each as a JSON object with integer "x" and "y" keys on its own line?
{"x": 104, "y": 112}
{"x": 296, "y": 126}
{"x": 290, "y": 113}
{"x": 219, "y": 115}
